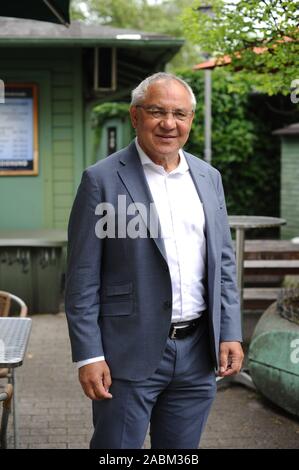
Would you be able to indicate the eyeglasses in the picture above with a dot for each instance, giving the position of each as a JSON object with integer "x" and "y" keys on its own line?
{"x": 160, "y": 113}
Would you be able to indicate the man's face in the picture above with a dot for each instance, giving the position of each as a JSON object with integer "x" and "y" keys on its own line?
{"x": 161, "y": 137}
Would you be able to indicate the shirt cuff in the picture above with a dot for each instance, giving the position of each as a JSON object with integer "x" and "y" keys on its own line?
{"x": 89, "y": 361}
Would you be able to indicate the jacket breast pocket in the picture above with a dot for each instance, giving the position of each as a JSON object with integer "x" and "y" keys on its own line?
{"x": 117, "y": 300}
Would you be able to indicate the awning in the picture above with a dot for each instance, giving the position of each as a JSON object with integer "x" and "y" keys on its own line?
{"x": 53, "y": 11}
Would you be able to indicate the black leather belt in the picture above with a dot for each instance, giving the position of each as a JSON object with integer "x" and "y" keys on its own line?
{"x": 183, "y": 329}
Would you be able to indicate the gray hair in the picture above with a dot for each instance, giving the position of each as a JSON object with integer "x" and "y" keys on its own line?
{"x": 138, "y": 94}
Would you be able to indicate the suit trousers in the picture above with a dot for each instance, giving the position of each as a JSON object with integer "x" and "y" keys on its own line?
{"x": 175, "y": 401}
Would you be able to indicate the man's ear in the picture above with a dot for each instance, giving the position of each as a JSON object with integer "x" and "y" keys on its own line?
{"x": 133, "y": 115}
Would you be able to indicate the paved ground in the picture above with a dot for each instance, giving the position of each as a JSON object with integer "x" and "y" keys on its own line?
{"x": 55, "y": 414}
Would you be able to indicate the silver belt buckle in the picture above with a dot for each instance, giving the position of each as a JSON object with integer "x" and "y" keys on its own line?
{"x": 173, "y": 334}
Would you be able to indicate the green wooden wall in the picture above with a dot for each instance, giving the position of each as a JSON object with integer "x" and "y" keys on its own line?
{"x": 47, "y": 198}
{"x": 290, "y": 185}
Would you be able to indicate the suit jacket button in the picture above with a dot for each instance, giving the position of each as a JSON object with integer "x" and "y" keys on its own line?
{"x": 167, "y": 305}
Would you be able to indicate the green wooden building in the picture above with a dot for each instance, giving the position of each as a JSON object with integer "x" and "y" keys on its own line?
{"x": 72, "y": 70}
{"x": 289, "y": 186}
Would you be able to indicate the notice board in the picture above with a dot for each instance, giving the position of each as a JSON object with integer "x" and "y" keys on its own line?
{"x": 19, "y": 130}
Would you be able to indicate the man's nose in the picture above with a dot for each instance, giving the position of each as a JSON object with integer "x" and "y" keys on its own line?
{"x": 168, "y": 121}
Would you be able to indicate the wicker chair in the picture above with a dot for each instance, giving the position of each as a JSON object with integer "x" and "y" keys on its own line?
{"x": 5, "y": 304}
{"x": 6, "y": 394}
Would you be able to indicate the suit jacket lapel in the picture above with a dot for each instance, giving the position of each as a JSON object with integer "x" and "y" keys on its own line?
{"x": 206, "y": 191}
{"x": 208, "y": 198}
{"x": 132, "y": 175}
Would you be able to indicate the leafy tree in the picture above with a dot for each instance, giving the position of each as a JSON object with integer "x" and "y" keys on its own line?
{"x": 260, "y": 36}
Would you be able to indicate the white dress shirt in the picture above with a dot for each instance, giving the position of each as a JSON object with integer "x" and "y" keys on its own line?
{"x": 182, "y": 222}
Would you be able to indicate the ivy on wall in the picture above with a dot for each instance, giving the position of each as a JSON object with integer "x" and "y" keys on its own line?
{"x": 102, "y": 112}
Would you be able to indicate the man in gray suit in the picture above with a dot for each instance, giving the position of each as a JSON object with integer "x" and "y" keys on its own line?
{"x": 151, "y": 297}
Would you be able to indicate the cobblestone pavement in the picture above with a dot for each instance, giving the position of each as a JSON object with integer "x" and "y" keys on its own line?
{"x": 55, "y": 414}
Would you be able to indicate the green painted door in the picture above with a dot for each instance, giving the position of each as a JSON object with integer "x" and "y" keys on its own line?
{"x": 116, "y": 133}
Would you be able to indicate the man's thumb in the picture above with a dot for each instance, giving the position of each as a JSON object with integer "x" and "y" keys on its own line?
{"x": 223, "y": 362}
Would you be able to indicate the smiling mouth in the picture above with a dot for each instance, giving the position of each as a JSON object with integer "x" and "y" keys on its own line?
{"x": 166, "y": 136}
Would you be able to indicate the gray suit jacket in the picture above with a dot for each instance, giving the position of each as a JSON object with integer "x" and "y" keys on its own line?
{"x": 118, "y": 290}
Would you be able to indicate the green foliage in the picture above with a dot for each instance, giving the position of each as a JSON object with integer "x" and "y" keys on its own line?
{"x": 138, "y": 14}
{"x": 102, "y": 112}
{"x": 244, "y": 149}
{"x": 238, "y": 27}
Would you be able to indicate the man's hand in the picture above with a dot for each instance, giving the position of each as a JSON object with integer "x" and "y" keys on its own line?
{"x": 230, "y": 357}
{"x": 95, "y": 379}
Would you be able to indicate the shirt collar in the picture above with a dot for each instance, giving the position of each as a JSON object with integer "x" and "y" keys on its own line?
{"x": 145, "y": 160}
